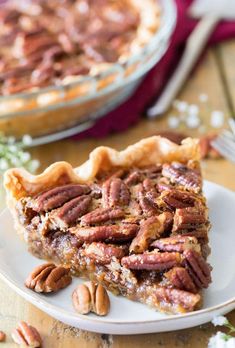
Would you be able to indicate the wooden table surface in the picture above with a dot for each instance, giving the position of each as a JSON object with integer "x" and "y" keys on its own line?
{"x": 215, "y": 76}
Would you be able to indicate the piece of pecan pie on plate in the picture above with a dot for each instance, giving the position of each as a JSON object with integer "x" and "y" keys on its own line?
{"x": 134, "y": 220}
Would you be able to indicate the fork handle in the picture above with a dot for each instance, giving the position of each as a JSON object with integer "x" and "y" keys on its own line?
{"x": 194, "y": 46}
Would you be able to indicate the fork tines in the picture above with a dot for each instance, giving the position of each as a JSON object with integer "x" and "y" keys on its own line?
{"x": 225, "y": 144}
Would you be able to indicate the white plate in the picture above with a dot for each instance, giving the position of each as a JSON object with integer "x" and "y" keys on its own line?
{"x": 127, "y": 317}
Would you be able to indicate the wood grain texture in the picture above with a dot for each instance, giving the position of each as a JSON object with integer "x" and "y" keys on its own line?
{"x": 205, "y": 79}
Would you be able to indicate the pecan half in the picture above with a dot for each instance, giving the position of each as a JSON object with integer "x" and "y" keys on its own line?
{"x": 103, "y": 253}
{"x": 70, "y": 212}
{"x": 152, "y": 261}
{"x": 133, "y": 178}
{"x": 178, "y": 199}
{"x": 57, "y": 196}
{"x": 26, "y": 335}
{"x": 179, "y": 278}
{"x": 91, "y": 297}
{"x": 198, "y": 268}
{"x": 107, "y": 233}
{"x": 177, "y": 243}
{"x": 102, "y": 215}
{"x": 115, "y": 193}
{"x": 180, "y": 174}
{"x": 150, "y": 229}
{"x": 189, "y": 218}
{"x": 48, "y": 278}
{"x": 146, "y": 201}
{"x": 180, "y": 300}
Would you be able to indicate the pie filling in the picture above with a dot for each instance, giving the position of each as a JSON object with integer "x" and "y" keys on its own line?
{"x": 142, "y": 232}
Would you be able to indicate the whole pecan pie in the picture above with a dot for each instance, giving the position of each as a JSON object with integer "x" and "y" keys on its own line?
{"x": 55, "y": 42}
{"x": 135, "y": 220}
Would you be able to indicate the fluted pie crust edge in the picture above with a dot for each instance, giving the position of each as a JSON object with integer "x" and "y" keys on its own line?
{"x": 19, "y": 182}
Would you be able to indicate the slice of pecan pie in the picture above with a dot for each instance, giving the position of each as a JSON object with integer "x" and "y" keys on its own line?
{"x": 134, "y": 220}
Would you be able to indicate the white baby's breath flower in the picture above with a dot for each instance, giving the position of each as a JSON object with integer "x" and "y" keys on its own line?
{"x": 13, "y": 148}
{"x": 27, "y": 139}
{"x": 24, "y": 156}
{"x": 15, "y": 161}
{"x": 220, "y": 320}
{"x": 4, "y": 165}
{"x": 173, "y": 121}
{"x": 193, "y": 109}
{"x": 11, "y": 140}
{"x": 193, "y": 121}
{"x": 182, "y": 106}
{"x": 203, "y": 97}
{"x": 221, "y": 340}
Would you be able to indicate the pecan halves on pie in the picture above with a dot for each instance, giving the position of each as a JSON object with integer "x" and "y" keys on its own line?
{"x": 180, "y": 174}
{"x": 57, "y": 196}
{"x": 177, "y": 243}
{"x": 150, "y": 229}
{"x": 102, "y": 215}
{"x": 107, "y": 233}
{"x": 26, "y": 335}
{"x": 48, "y": 278}
{"x": 189, "y": 218}
{"x": 70, "y": 212}
{"x": 179, "y": 278}
{"x": 178, "y": 199}
{"x": 175, "y": 300}
{"x": 133, "y": 178}
{"x": 152, "y": 261}
{"x": 146, "y": 201}
{"x": 198, "y": 268}
{"x": 103, "y": 253}
{"x": 115, "y": 193}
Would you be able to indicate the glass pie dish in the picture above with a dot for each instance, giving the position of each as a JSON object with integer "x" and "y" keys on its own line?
{"x": 55, "y": 112}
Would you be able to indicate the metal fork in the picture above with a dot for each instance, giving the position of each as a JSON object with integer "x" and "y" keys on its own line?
{"x": 225, "y": 142}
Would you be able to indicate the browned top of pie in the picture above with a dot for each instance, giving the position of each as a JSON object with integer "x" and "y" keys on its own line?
{"x": 43, "y": 42}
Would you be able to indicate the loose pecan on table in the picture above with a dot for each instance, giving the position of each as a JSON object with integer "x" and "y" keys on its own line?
{"x": 207, "y": 149}
{"x": 48, "y": 278}
{"x": 70, "y": 212}
{"x": 152, "y": 261}
{"x": 177, "y": 243}
{"x": 103, "y": 253}
{"x": 181, "y": 174}
{"x": 198, "y": 268}
{"x": 91, "y": 297}
{"x": 107, "y": 233}
{"x": 115, "y": 193}
{"x": 179, "y": 278}
{"x": 57, "y": 196}
{"x": 26, "y": 335}
{"x": 189, "y": 218}
{"x": 2, "y": 336}
{"x": 102, "y": 215}
{"x": 150, "y": 229}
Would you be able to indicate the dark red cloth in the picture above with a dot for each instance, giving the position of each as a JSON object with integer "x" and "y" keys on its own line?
{"x": 130, "y": 112}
